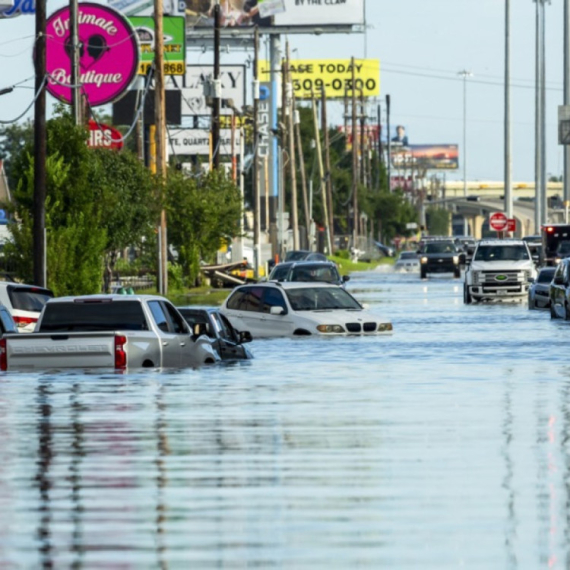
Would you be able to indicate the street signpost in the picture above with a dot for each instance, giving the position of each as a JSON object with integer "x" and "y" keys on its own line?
{"x": 498, "y": 221}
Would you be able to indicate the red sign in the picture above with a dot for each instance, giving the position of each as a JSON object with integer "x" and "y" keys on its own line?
{"x": 498, "y": 222}
{"x": 103, "y": 136}
{"x": 511, "y": 225}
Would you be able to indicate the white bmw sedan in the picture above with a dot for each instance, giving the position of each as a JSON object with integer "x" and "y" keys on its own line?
{"x": 300, "y": 309}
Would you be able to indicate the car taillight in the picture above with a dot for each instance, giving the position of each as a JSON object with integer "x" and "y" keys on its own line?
{"x": 3, "y": 355}
{"x": 23, "y": 321}
{"x": 120, "y": 353}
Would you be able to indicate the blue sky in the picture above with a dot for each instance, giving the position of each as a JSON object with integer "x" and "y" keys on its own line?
{"x": 422, "y": 46}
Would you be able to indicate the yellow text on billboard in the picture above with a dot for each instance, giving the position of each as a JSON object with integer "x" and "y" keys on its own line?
{"x": 311, "y": 76}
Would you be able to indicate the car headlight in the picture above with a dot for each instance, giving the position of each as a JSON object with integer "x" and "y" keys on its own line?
{"x": 557, "y": 260}
{"x": 456, "y": 259}
{"x": 330, "y": 329}
{"x": 383, "y": 327}
{"x": 424, "y": 260}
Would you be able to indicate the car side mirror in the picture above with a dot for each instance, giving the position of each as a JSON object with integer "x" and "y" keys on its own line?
{"x": 531, "y": 279}
{"x": 346, "y": 278}
{"x": 245, "y": 336}
{"x": 558, "y": 280}
{"x": 277, "y": 311}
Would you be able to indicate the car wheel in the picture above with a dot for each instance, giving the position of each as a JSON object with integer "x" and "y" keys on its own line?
{"x": 423, "y": 273}
{"x": 457, "y": 272}
{"x": 466, "y": 295}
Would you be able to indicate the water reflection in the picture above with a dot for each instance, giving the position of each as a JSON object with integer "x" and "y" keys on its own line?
{"x": 445, "y": 445}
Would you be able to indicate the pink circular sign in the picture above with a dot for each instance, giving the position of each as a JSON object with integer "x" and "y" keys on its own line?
{"x": 108, "y": 55}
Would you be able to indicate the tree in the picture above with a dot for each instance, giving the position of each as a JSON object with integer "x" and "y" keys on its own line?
{"x": 13, "y": 139}
{"x": 202, "y": 212}
{"x": 438, "y": 221}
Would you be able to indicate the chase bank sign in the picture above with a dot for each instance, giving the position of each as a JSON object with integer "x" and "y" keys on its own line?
{"x": 12, "y": 8}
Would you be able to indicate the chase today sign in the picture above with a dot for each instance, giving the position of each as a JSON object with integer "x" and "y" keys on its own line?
{"x": 108, "y": 56}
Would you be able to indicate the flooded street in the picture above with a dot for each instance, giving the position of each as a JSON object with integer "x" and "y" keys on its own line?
{"x": 442, "y": 446}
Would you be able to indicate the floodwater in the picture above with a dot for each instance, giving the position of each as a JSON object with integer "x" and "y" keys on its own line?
{"x": 445, "y": 445}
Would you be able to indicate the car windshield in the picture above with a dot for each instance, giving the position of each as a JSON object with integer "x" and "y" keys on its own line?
{"x": 321, "y": 299}
{"x": 279, "y": 272}
{"x": 444, "y": 247}
{"x": 408, "y": 255}
{"x": 296, "y": 255}
{"x": 326, "y": 273}
{"x": 546, "y": 275}
{"x": 501, "y": 253}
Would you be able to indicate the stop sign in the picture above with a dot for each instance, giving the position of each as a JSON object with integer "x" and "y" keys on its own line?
{"x": 498, "y": 221}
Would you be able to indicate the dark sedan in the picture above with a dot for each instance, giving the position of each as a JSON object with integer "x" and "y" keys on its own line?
{"x": 325, "y": 271}
{"x": 227, "y": 341}
{"x": 539, "y": 291}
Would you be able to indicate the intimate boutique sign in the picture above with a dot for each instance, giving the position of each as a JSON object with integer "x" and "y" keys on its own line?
{"x": 108, "y": 54}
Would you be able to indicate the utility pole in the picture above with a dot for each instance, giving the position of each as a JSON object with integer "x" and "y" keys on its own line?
{"x": 40, "y": 150}
{"x": 322, "y": 175}
{"x": 388, "y": 140}
{"x": 75, "y": 76}
{"x": 537, "y": 127}
{"x": 292, "y": 162}
{"x": 508, "y": 160}
{"x": 328, "y": 177}
{"x": 306, "y": 210}
{"x": 255, "y": 173}
{"x": 160, "y": 122}
{"x": 217, "y": 90}
{"x": 566, "y": 148}
{"x": 465, "y": 75}
{"x": 543, "y": 180}
{"x": 354, "y": 160}
{"x": 362, "y": 139}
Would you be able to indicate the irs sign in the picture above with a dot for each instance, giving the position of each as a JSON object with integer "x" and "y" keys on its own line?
{"x": 498, "y": 222}
{"x": 103, "y": 136}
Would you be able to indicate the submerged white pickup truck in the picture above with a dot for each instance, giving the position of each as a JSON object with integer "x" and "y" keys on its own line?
{"x": 107, "y": 331}
{"x": 499, "y": 269}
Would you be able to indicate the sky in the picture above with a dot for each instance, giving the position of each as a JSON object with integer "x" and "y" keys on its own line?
{"x": 422, "y": 46}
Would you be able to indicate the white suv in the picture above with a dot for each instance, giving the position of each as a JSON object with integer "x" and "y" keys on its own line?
{"x": 500, "y": 268}
{"x": 24, "y": 303}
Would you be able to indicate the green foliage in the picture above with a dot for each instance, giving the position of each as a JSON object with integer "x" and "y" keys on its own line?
{"x": 13, "y": 140}
{"x": 438, "y": 221}
{"x": 201, "y": 212}
{"x": 97, "y": 202}
{"x": 175, "y": 277}
{"x": 342, "y": 253}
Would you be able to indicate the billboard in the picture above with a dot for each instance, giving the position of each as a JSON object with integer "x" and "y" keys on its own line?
{"x": 427, "y": 156}
{"x": 146, "y": 7}
{"x": 197, "y": 141}
{"x": 174, "y": 43}
{"x": 371, "y": 135}
{"x": 275, "y": 13}
{"x": 109, "y": 54}
{"x": 12, "y": 8}
{"x": 334, "y": 75}
{"x": 233, "y": 88}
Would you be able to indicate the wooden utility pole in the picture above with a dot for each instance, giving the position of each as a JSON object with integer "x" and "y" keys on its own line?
{"x": 255, "y": 173}
{"x": 328, "y": 177}
{"x": 40, "y": 149}
{"x": 75, "y": 76}
{"x": 292, "y": 162}
{"x": 322, "y": 175}
{"x": 160, "y": 122}
{"x": 217, "y": 101}
{"x": 362, "y": 140}
{"x": 354, "y": 161}
{"x": 308, "y": 216}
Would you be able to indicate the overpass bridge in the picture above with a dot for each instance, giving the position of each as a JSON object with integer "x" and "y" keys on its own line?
{"x": 484, "y": 198}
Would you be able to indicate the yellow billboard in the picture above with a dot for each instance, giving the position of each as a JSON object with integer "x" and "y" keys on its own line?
{"x": 334, "y": 75}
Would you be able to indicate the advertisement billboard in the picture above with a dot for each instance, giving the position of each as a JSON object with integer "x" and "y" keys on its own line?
{"x": 276, "y": 13}
{"x": 12, "y": 8}
{"x": 232, "y": 78}
{"x": 427, "y": 156}
{"x": 108, "y": 59}
{"x": 146, "y": 7}
{"x": 371, "y": 135}
{"x": 197, "y": 142}
{"x": 334, "y": 75}
{"x": 174, "y": 43}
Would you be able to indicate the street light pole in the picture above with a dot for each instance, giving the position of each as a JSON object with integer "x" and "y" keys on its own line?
{"x": 465, "y": 75}
{"x": 508, "y": 160}
{"x": 537, "y": 128}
